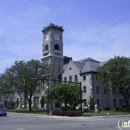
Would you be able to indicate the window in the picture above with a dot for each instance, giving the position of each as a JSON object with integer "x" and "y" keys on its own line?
{"x": 84, "y": 77}
{"x": 65, "y": 79}
{"x": 46, "y": 47}
{"x": 98, "y": 102}
{"x": 70, "y": 68}
{"x": 76, "y": 78}
{"x": 97, "y": 89}
{"x": 121, "y": 101}
{"x": 84, "y": 89}
{"x": 85, "y": 102}
{"x": 56, "y": 47}
{"x": 114, "y": 102}
{"x": 70, "y": 78}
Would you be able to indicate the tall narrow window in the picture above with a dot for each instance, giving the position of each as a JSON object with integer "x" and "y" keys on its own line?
{"x": 97, "y": 89}
{"x": 98, "y": 102}
{"x": 84, "y": 77}
{"x": 56, "y": 47}
{"x": 46, "y": 47}
{"x": 85, "y": 102}
{"x": 65, "y": 79}
{"x": 70, "y": 78}
{"x": 76, "y": 78}
{"x": 84, "y": 89}
{"x": 114, "y": 102}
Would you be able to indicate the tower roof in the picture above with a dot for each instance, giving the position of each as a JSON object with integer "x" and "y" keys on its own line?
{"x": 51, "y": 25}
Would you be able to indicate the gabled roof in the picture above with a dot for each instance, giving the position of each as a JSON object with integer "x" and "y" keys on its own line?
{"x": 90, "y": 66}
{"x": 79, "y": 65}
{"x": 89, "y": 59}
{"x": 86, "y": 65}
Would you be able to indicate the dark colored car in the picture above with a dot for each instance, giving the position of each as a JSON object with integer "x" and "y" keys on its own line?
{"x": 2, "y": 112}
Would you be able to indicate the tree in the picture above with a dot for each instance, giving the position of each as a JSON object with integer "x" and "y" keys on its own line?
{"x": 116, "y": 73}
{"x": 6, "y": 88}
{"x": 22, "y": 75}
{"x": 65, "y": 93}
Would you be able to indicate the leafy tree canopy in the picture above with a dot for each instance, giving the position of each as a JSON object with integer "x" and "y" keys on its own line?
{"x": 22, "y": 77}
{"x": 116, "y": 73}
{"x": 65, "y": 93}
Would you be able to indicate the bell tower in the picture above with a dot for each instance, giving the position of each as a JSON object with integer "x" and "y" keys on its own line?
{"x": 52, "y": 47}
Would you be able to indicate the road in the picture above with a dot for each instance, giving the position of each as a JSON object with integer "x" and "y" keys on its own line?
{"x": 39, "y": 122}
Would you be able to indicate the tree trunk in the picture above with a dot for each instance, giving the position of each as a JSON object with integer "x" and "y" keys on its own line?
{"x": 65, "y": 106}
{"x": 30, "y": 103}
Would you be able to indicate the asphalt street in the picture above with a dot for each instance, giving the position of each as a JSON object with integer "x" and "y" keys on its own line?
{"x": 39, "y": 122}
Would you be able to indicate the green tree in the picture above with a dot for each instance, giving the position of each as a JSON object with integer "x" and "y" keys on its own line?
{"x": 65, "y": 93}
{"x": 23, "y": 77}
{"x": 6, "y": 87}
{"x": 116, "y": 73}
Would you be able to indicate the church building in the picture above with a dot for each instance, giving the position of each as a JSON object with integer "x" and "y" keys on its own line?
{"x": 84, "y": 70}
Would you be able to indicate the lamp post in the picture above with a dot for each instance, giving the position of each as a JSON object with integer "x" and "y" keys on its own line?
{"x": 48, "y": 100}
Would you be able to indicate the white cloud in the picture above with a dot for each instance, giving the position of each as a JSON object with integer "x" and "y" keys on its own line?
{"x": 101, "y": 42}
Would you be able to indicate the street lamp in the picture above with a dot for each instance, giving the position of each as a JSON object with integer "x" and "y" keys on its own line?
{"x": 48, "y": 100}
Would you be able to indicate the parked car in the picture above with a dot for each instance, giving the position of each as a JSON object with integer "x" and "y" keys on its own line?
{"x": 2, "y": 112}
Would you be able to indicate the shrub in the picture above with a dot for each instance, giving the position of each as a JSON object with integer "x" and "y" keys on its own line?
{"x": 56, "y": 112}
{"x": 99, "y": 108}
{"x": 34, "y": 107}
{"x": 64, "y": 109}
{"x": 12, "y": 104}
{"x": 85, "y": 109}
{"x": 63, "y": 113}
{"x": 73, "y": 113}
{"x": 66, "y": 113}
{"x": 118, "y": 108}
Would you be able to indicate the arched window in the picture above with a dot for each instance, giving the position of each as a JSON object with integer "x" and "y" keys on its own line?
{"x": 70, "y": 78}
{"x": 76, "y": 78}
{"x": 65, "y": 79}
{"x": 56, "y": 47}
{"x": 46, "y": 47}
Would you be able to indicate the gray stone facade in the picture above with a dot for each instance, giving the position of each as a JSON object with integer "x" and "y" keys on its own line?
{"x": 84, "y": 71}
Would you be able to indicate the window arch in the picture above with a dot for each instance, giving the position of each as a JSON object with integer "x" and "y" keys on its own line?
{"x": 65, "y": 79}
{"x": 70, "y": 78}
{"x": 76, "y": 78}
{"x": 46, "y": 47}
{"x": 56, "y": 47}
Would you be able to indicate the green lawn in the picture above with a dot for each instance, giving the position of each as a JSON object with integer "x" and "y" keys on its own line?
{"x": 26, "y": 111}
{"x": 86, "y": 114}
{"x": 104, "y": 113}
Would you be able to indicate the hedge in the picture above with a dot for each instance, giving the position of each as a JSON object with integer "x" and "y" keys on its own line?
{"x": 66, "y": 113}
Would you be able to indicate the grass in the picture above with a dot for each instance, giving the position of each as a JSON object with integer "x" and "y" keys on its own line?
{"x": 34, "y": 111}
{"x": 85, "y": 114}
{"x": 104, "y": 113}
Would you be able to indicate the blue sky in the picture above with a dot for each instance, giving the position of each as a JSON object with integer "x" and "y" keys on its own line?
{"x": 98, "y": 29}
